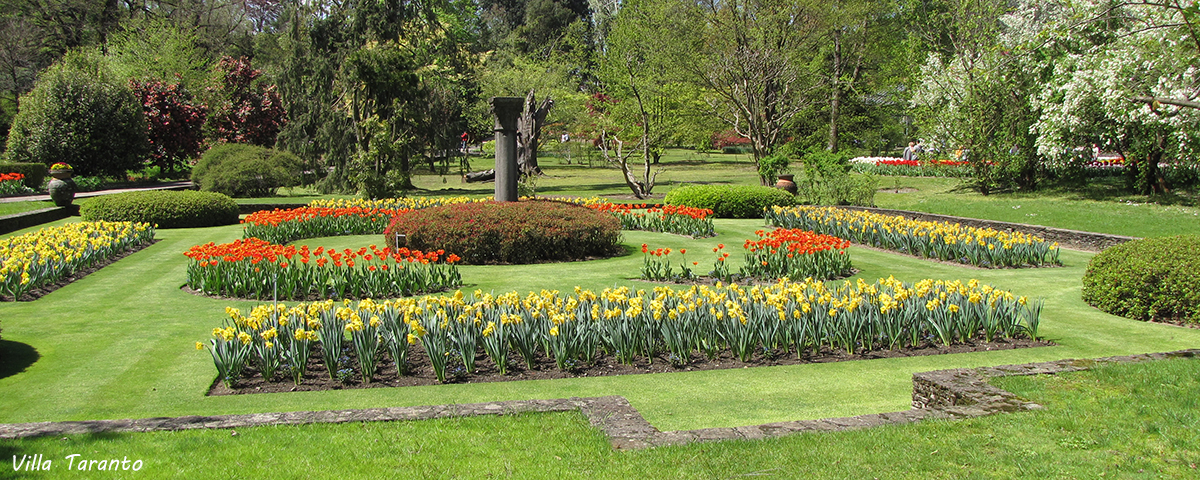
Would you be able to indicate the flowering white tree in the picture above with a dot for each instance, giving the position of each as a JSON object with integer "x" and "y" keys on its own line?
{"x": 1129, "y": 85}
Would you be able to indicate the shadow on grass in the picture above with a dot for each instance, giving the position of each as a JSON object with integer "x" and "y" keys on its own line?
{"x": 15, "y": 357}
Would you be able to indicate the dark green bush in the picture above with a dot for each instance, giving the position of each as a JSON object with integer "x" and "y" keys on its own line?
{"x": 531, "y": 231}
{"x": 730, "y": 201}
{"x": 167, "y": 209}
{"x": 35, "y": 173}
{"x": 241, "y": 170}
{"x": 81, "y": 113}
{"x": 1153, "y": 279}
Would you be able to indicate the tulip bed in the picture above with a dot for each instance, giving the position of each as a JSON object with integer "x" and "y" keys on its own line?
{"x": 13, "y": 184}
{"x": 676, "y": 219}
{"x": 911, "y": 168}
{"x": 787, "y": 317}
{"x": 257, "y": 269}
{"x": 327, "y": 218}
{"x": 50, "y": 254}
{"x": 982, "y": 247}
{"x": 781, "y": 253}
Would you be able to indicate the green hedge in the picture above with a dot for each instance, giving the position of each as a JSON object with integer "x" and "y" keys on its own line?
{"x": 531, "y": 231}
{"x": 35, "y": 173}
{"x": 1152, "y": 279}
{"x": 167, "y": 209}
{"x": 241, "y": 170}
{"x": 726, "y": 201}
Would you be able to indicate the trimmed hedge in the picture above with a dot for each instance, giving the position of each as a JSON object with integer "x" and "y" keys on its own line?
{"x": 35, "y": 173}
{"x": 1152, "y": 279}
{"x": 727, "y": 201}
{"x": 167, "y": 209}
{"x": 241, "y": 170}
{"x": 531, "y": 231}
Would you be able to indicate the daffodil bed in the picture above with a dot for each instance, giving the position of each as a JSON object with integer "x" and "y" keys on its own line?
{"x": 37, "y": 263}
{"x": 982, "y": 247}
{"x": 591, "y": 331}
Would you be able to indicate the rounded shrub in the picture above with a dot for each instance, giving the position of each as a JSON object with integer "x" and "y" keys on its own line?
{"x": 530, "y": 231}
{"x": 167, "y": 209}
{"x": 81, "y": 113}
{"x": 1152, "y": 279}
{"x": 241, "y": 170}
{"x": 727, "y": 201}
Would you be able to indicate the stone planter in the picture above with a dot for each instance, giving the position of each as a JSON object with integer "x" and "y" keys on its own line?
{"x": 786, "y": 183}
{"x": 62, "y": 188}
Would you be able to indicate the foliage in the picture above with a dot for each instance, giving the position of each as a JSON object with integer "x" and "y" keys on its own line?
{"x": 677, "y": 219}
{"x": 510, "y": 232}
{"x": 1154, "y": 279}
{"x": 155, "y": 49}
{"x": 174, "y": 122}
{"x": 79, "y": 112}
{"x": 729, "y": 201}
{"x": 911, "y": 168}
{"x": 34, "y": 173}
{"x": 256, "y": 269}
{"x": 793, "y": 254}
{"x": 242, "y": 170}
{"x": 244, "y": 109}
{"x": 982, "y": 247}
{"x": 163, "y": 208}
{"x": 787, "y": 317}
{"x": 43, "y": 257}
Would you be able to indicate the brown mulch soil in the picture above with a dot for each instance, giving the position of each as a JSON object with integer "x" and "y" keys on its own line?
{"x": 421, "y": 372}
{"x": 44, "y": 290}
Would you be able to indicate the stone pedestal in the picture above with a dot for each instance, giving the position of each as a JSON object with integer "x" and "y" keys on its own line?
{"x": 507, "y": 110}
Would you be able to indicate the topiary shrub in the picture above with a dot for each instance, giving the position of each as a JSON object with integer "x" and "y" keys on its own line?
{"x": 167, "y": 209}
{"x": 727, "y": 201}
{"x": 531, "y": 231}
{"x": 241, "y": 170}
{"x": 35, "y": 173}
{"x": 80, "y": 113}
{"x": 1153, "y": 279}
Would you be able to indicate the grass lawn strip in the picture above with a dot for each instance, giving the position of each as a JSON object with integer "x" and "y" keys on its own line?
{"x": 1118, "y": 420}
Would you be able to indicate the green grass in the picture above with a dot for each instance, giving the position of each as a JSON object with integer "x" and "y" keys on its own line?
{"x": 118, "y": 344}
{"x": 13, "y": 208}
{"x": 1118, "y": 421}
{"x": 1109, "y": 212}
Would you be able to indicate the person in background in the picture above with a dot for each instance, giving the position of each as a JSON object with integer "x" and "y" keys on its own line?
{"x": 910, "y": 152}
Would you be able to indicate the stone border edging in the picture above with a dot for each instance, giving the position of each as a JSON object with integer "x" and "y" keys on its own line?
{"x": 1074, "y": 239}
{"x": 941, "y": 394}
{"x": 18, "y": 221}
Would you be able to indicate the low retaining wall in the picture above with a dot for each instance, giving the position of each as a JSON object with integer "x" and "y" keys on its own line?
{"x": 1073, "y": 239}
{"x": 943, "y": 394}
{"x": 12, "y": 223}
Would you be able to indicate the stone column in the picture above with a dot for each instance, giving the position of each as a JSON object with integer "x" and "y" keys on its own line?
{"x": 507, "y": 111}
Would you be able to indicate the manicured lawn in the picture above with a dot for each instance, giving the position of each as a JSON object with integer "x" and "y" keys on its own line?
{"x": 13, "y": 208}
{"x": 1120, "y": 421}
{"x": 118, "y": 344}
{"x": 1129, "y": 215}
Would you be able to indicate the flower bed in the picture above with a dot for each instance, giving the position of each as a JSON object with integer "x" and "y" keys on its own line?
{"x": 327, "y": 218}
{"x": 676, "y": 219}
{"x": 781, "y": 253}
{"x": 257, "y": 269}
{"x": 910, "y": 168}
{"x": 785, "y": 318}
{"x": 36, "y": 259}
{"x": 13, "y": 184}
{"x": 982, "y": 247}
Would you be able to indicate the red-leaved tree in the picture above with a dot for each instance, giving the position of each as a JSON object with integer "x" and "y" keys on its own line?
{"x": 174, "y": 122}
{"x": 244, "y": 111}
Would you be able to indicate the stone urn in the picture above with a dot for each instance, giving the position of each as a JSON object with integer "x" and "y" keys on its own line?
{"x": 786, "y": 183}
{"x": 62, "y": 188}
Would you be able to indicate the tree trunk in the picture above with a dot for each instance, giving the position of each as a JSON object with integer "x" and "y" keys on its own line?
{"x": 835, "y": 98}
{"x": 529, "y": 131}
